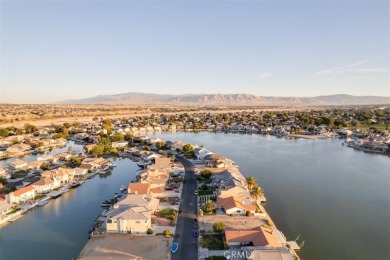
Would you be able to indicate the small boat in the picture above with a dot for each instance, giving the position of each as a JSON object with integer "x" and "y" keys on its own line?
{"x": 122, "y": 188}
{"x": 174, "y": 247}
{"x": 106, "y": 204}
{"x": 74, "y": 184}
{"x": 116, "y": 195}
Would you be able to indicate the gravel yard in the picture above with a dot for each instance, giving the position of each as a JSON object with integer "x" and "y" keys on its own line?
{"x": 123, "y": 246}
{"x": 235, "y": 222}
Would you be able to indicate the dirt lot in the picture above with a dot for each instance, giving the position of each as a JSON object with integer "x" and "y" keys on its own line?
{"x": 235, "y": 222}
{"x": 122, "y": 246}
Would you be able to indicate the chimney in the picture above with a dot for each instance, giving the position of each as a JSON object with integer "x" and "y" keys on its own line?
{"x": 136, "y": 192}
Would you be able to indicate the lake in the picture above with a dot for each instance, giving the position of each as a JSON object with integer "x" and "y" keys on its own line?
{"x": 336, "y": 198}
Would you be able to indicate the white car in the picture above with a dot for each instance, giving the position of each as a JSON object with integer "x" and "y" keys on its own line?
{"x": 196, "y": 192}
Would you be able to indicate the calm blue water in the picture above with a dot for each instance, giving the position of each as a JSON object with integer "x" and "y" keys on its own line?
{"x": 336, "y": 198}
{"x": 59, "y": 230}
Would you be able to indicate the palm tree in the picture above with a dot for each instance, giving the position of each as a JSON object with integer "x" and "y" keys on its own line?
{"x": 257, "y": 192}
{"x": 252, "y": 182}
{"x": 209, "y": 206}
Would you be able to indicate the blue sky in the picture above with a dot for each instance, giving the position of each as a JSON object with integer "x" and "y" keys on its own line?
{"x": 56, "y": 50}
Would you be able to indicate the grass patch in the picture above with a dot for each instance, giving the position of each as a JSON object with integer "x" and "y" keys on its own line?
{"x": 167, "y": 213}
{"x": 205, "y": 192}
{"x": 13, "y": 211}
{"x": 212, "y": 242}
{"x": 38, "y": 197}
{"x": 20, "y": 174}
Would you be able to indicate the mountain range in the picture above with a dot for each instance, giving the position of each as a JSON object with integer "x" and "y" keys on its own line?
{"x": 228, "y": 100}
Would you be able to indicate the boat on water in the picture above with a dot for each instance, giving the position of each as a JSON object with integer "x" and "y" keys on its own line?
{"x": 105, "y": 204}
{"x": 74, "y": 184}
{"x": 42, "y": 203}
{"x": 122, "y": 188}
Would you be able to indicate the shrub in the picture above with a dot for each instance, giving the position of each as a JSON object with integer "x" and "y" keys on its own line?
{"x": 248, "y": 213}
{"x": 219, "y": 227}
{"x": 167, "y": 233}
{"x": 150, "y": 231}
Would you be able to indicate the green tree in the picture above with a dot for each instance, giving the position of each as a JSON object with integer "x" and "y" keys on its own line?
{"x": 3, "y": 181}
{"x": 97, "y": 150}
{"x": 45, "y": 166}
{"x": 95, "y": 118}
{"x": 4, "y": 132}
{"x": 160, "y": 145}
{"x": 106, "y": 144}
{"x": 164, "y": 153}
{"x": 30, "y": 128}
{"x": 252, "y": 182}
{"x": 74, "y": 161}
{"x": 117, "y": 138}
{"x": 188, "y": 149}
{"x": 147, "y": 148}
{"x": 206, "y": 174}
{"x": 208, "y": 206}
{"x": 219, "y": 227}
{"x": 257, "y": 192}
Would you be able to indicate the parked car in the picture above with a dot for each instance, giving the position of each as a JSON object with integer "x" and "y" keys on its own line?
{"x": 196, "y": 192}
{"x": 168, "y": 188}
{"x": 196, "y": 234}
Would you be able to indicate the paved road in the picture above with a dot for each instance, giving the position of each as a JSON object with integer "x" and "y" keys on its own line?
{"x": 188, "y": 244}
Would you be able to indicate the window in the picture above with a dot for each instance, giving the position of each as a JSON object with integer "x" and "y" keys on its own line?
{"x": 138, "y": 222}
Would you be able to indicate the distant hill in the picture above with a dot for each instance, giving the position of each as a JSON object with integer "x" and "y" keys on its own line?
{"x": 229, "y": 100}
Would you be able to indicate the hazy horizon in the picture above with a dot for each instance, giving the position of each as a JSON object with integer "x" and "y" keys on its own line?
{"x": 60, "y": 50}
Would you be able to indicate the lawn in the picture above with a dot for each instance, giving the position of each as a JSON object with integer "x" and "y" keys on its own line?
{"x": 13, "y": 211}
{"x": 39, "y": 196}
{"x": 212, "y": 242}
{"x": 167, "y": 213}
{"x": 205, "y": 192}
{"x": 20, "y": 174}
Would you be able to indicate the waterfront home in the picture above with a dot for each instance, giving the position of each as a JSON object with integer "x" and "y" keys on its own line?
{"x": 63, "y": 175}
{"x": 5, "y": 207}
{"x": 63, "y": 156}
{"x": 236, "y": 206}
{"x": 153, "y": 140}
{"x": 162, "y": 162}
{"x": 5, "y": 143}
{"x": 20, "y": 195}
{"x": 17, "y": 165}
{"x": 119, "y": 144}
{"x": 17, "y": 150}
{"x": 138, "y": 188}
{"x": 45, "y": 185}
{"x": 89, "y": 147}
{"x": 46, "y": 158}
{"x": 200, "y": 153}
{"x": 80, "y": 172}
{"x": 157, "y": 178}
{"x": 132, "y": 219}
{"x": 156, "y": 192}
{"x": 2, "y": 173}
{"x": 150, "y": 156}
{"x": 260, "y": 236}
{"x": 95, "y": 162}
{"x": 233, "y": 187}
{"x": 268, "y": 252}
{"x": 138, "y": 200}
{"x": 216, "y": 161}
{"x": 34, "y": 165}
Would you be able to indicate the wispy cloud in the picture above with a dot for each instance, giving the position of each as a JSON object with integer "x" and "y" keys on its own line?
{"x": 266, "y": 75}
{"x": 341, "y": 69}
{"x": 352, "y": 68}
